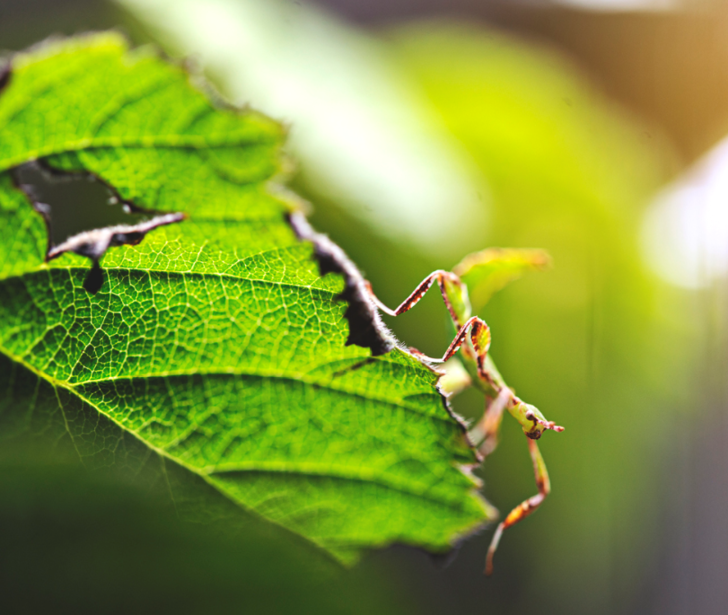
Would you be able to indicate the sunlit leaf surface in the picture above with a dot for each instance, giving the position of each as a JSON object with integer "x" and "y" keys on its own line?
{"x": 212, "y": 362}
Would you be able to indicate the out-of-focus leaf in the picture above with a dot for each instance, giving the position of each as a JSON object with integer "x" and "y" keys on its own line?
{"x": 214, "y": 358}
{"x": 488, "y": 271}
{"x": 81, "y": 542}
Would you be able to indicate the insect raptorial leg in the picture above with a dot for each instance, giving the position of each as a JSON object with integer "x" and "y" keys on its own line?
{"x": 526, "y": 507}
{"x": 479, "y": 336}
{"x": 454, "y": 295}
{"x": 486, "y": 430}
{"x": 414, "y": 298}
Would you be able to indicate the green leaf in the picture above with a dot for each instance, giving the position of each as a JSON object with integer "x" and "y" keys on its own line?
{"x": 213, "y": 362}
{"x": 488, "y": 271}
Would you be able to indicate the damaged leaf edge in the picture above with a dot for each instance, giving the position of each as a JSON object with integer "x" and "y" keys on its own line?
{"x": 92, "y": 243}
{"x": 366, "y": 328}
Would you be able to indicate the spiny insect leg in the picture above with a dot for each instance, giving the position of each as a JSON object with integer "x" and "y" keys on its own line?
{"x": 480, "y": 338}
{"x": 525, "y": 508}
{"x": 479, "y": 331}
{"x": 419, "y": 292}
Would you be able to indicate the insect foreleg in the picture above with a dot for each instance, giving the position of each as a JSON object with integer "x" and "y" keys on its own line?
{"x": 455, "y": 296}
{"x": 526, "y": 507}
{"x": 480, "y": 339}
{"x": 452, "y": 290}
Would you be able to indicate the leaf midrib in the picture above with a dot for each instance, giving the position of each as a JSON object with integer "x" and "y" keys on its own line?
{"x": 76, "y": 269}
{"x": 272, "y": 374}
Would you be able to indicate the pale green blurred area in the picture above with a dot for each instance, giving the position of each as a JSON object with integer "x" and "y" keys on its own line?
{"x": 504, "y": 143}
{"x": 363, "y": 135}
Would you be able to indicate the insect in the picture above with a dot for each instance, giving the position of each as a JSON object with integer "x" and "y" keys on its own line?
{"x": 488, "y": 271}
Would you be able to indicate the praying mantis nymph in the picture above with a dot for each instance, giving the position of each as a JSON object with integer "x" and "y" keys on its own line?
{"x": 488, "y": 271}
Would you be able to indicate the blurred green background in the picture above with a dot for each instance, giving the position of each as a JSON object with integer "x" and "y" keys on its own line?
{"x": 424, "y": 130}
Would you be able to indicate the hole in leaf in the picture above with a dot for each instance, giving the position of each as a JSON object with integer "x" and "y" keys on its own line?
{"x": 366, "y": 328}
{"x": 72, "y": 203}
{"x": 85, "y": 216}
